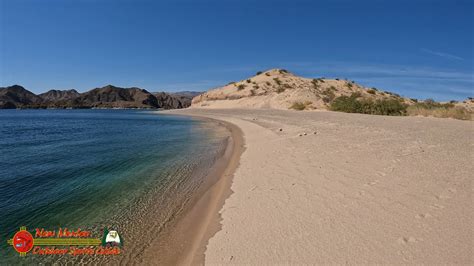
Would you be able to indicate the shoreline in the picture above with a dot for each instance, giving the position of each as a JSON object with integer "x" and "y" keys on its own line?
{"x": 189, "y": 236}
{"x": 310, "y": 191}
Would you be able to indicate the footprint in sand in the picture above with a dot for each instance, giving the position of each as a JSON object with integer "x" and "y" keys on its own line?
{"x": 381, "y": 173}
{"x": 406, "y": 240}
{"x": 372, "y": 183}
{"x": 423, "y": 216}
{"x": 437, "y": 206}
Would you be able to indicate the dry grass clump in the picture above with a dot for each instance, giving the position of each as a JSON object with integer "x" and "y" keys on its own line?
{"x": 300, "y": 105}
{"x": 441, "y": 112}
{"x": 241, "y": 87}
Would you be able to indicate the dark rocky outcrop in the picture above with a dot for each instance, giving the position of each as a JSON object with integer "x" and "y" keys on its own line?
{"x": 17, "y": 97}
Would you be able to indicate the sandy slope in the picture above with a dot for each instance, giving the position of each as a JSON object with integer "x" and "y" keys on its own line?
{"x": 280, "y": 89}
{"x": 364, "y": 189}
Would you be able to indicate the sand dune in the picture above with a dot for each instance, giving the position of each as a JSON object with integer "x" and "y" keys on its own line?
{"x": 333, "y": 188}
{"x": 280, "y": 89}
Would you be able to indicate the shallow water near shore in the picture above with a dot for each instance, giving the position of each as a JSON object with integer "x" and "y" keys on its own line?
{"x": 130, "y": 170}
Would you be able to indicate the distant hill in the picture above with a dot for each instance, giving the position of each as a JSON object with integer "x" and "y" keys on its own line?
{"x": 14, "y": 96}
{"x": 106, "y": 97}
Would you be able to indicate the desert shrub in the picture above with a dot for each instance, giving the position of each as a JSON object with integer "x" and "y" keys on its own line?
{"x": 268, "y": 83}
{"x": 315, "y": 83}
{"x": 241, "y": 87}
{"x": 282, "y": 71}
{"x": 441, "y": 112}
{"x": 267, "y": 74}
{"x": 415, "y": 100}
{"x": 429, "y": 107}
{"x": 432, "y": 104}
{"x": 349, "y": 85}
{"x": 352, "y": 104}
{"x": 337, "y": 79}
{"x": 249, "y": 81}
{"x": 230, "y": 83}
{"x": 280, "y": 90}
{"x": 277, "y": 80}
{"x": 256, "y": 87}
{"x": 371, "y": 91}
{"x": 322, "y": 79}
{"x": 375, "y": 89}
{"x": 300, "y": 105}
{"x": 328, "y": 95}
{"x": 259, "y": 73}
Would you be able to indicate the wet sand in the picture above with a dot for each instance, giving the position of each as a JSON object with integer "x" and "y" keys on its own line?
{"x": 186, "y": 239}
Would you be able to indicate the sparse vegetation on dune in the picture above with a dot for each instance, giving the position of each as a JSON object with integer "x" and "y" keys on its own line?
{"x": 352, "y": 104}
{"x": 280, "y": 90}
{"x": 442, "y": 110}
{"x": 280, "y": 87}
{"x": 391, "y": 106}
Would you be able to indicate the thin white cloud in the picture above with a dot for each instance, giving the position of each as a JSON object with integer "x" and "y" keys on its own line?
{"x": 441, "y": 54}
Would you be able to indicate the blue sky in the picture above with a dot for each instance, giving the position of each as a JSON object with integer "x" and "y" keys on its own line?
{"x": 417, "y": 48}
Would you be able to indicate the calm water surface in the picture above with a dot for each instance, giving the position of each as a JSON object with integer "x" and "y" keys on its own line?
{"x": 91, "y": 168}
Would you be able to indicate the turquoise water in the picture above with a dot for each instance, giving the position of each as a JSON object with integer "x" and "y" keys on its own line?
{"x": 129, "y": 169}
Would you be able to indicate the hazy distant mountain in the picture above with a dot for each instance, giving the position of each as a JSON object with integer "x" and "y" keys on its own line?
{"x": 105, "y": 97}
{"x": 59, "y": 95}
{"x": 186, "y": 96}
{"x": 176, "y": 100}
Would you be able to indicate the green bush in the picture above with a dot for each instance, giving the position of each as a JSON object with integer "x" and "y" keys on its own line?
{"x": 371, "y": 91}
{"x": 351, "y": 104}
{"x": 241, "y": 87}
{"x": 249, "y": 81}
{"x": 259, "y": 72}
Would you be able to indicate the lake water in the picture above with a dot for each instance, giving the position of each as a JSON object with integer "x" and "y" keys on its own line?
{"x": 133, "y": 170}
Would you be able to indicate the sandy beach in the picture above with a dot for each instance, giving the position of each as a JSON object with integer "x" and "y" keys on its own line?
{"x": 334, "y": 188}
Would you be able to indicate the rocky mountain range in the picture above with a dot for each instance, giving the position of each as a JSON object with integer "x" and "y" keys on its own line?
{"x": 105, "y": 97}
